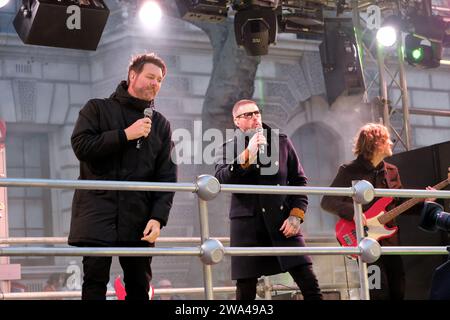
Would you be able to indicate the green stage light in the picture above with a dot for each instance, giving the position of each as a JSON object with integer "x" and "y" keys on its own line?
{"x": 417, "y": 54}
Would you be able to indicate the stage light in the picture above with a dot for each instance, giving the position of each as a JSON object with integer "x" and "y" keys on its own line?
{"x": 203, "y": 10}
{"x": 422, "y": 52}
{"x": 3, "y": 3}
{"x": 304, "y": 19}
{"x": 150, "y": 14}
{"x": 255, "y": 25}
{"x": 387, "y": 36}
{"x": 255, "y": 30}
{"x": 417, "y": 54}
{"x": 77, "y": 24}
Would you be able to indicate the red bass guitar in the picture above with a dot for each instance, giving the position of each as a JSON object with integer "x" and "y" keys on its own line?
{"x": 377, "y": 217}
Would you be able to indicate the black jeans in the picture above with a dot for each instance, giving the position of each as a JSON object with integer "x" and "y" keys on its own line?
{"x": 303, "y": 276}
{"x": 137, "y": 276}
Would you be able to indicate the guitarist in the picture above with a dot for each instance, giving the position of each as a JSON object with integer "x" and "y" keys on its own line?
{"x": 372, "y": 145}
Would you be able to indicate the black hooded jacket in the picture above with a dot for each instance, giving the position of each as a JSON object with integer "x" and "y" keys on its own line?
{"x": 109, "y": 217}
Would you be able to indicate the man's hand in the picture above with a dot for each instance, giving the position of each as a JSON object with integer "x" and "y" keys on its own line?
{"x": 141, "y": 128}
{"x": 291, "y": 226}
{"x": 152, "y": 231}
{"x": 253, "y": 145}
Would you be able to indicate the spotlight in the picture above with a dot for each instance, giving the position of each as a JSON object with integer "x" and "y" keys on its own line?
{"x": 77, "y": 24}
{"x": 255, "y": 25}
{"x": 387, "y": 36}
{"x": 203, "y": 10}
{"x": 150, "y": 13}
{"x": 3, "y": 3}
{"x": 304, "y": 19}
{"x": 422, "y": 52}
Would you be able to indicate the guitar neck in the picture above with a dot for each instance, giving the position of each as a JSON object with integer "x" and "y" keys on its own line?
{"x": 388, "y": 216}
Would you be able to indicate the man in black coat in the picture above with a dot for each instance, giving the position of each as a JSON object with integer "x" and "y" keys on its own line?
{"x": 114, "y": 141}
{"x": 260, "y": 220}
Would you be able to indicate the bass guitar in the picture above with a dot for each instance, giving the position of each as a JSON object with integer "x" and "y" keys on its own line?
{"x": 377, "y": 217}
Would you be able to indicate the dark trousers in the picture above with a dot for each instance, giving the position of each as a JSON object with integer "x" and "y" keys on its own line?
{"x": 137, "y": 276}
{"x": 392, "y": 279}
{"x": 303, "y": 276}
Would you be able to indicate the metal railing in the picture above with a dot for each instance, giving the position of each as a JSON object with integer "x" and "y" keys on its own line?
{"x": 211, "y": 251}
{"x": 268, "y": 288}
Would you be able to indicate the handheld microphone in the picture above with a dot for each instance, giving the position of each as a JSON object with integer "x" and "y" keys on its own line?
{"x": 148, "y": 113}
{"x": 261, "y": 147}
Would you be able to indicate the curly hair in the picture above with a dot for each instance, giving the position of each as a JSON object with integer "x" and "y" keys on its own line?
{"x": 369, "y": 138}
{"x": 137, "y": 63}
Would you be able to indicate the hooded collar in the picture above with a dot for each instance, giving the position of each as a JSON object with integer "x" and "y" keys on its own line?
{"x": 121, "y": 94}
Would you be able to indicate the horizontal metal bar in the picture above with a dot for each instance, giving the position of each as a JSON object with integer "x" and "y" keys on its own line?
{"x": 289, "y": 251}
{"x": 232, "y": 188}
{"x": 99, "y": 185}
{"x": 63, "y": 240}
{"x": 412, "y": 193}
{"x": 430, "y": 112}
{"x": 110, "y": 293}
{"x": 243, "y": 188}
{"x": 171, "y": 291}
{"x": 161, "y": 240}
{"x": 196, "y": 251}
{"x": 94, "y": 251}
{"x": 414, "y": 250}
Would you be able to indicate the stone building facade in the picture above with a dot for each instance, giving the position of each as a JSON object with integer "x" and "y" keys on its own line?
{"x": 42, "y": 90}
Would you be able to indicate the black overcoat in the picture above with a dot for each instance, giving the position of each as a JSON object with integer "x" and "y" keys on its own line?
{"x": 109, "y": 217}
{"x": 255, "y": 219}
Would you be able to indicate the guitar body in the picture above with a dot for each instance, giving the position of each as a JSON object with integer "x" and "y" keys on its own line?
{"x": 346, "y": 230}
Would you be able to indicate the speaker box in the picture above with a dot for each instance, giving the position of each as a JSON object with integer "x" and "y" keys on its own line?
{"x": 418, "y": 169}
{"x": 340, "y": 59}
{"x": 73, "y": 24}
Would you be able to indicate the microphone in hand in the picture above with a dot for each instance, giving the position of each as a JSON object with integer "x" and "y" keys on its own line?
{"x": 261, "y": 147}
{"x": 148, "y": 113}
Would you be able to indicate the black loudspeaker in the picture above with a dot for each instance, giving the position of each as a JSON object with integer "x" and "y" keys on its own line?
{"x": 340, "y": 59}
{"x": 73, "y": 24}
{"x": 420, "y": 168}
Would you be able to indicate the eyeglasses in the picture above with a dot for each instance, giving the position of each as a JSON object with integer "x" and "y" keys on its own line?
{"x": 249, "y": 115}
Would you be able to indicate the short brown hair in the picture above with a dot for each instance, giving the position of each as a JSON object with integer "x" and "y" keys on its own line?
{"x": 137, "y": 63}
{"x": 240, "y": 103}
{"x": 368, "y": 138}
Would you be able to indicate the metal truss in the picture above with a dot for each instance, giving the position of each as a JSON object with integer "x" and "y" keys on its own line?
{"x": 384, "y": 74}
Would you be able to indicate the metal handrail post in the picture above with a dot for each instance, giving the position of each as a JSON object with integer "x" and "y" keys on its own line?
{"x": 204, "y": 234}
{"x": 363, "y": 277}
{"x": 207, "y": 188}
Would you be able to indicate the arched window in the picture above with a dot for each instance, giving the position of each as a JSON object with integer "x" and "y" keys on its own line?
{"x": 320, "y": 151}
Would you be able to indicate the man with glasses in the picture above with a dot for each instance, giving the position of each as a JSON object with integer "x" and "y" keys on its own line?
{"x": 261, "y": 220}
